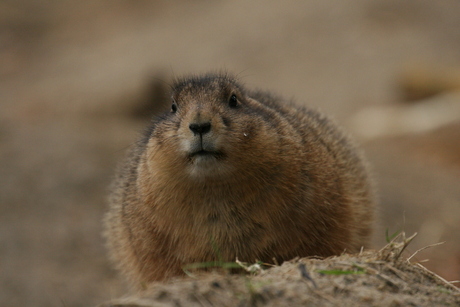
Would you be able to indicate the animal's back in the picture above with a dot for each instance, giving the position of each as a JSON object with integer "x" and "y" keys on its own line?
{"x": 234, "y": 173}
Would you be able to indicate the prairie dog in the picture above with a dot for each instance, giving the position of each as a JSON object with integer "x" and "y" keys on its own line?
{"x": 229, "y": 173}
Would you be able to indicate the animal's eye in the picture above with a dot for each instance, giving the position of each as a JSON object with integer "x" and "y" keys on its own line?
{"x": 173, "y": 108}
{"x": 233, "y": 101}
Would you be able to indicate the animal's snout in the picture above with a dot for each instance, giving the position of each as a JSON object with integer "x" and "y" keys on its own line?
{"x": 201, "y": 128}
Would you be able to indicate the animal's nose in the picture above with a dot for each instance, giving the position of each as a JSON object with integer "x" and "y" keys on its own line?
{"x": 201, "y": 128}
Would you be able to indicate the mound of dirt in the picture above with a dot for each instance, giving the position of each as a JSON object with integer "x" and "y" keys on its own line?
{"x": 370, "y": 278}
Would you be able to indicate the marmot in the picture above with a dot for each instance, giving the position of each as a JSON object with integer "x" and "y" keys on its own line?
{"x": 232, "y": 173}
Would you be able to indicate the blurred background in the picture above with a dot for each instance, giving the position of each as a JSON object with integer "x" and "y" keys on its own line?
{"x": 78, "y": 80}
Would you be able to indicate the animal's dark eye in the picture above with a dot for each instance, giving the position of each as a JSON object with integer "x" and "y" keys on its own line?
{"x": 233, "y": 101}
{"x": 173, "y": 108}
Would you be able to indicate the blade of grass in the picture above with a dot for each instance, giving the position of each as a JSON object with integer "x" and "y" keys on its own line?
{"x": 389, "y": 238}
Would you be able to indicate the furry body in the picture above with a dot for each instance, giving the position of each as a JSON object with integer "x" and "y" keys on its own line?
{"x": 235, "y": 173}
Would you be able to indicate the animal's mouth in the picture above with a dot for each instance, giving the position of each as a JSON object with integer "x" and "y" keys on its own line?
{"x": 207, "y": 153}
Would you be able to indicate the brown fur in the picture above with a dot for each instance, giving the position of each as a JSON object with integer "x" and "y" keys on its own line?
{"x": 281, "y": 182}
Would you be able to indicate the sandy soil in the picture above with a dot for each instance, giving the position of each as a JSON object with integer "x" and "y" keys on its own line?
{"x": 370, "y": 278}
{"x": 74, "y": 77}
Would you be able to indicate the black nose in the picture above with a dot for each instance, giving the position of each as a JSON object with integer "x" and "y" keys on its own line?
{"x": 200, "y": 128}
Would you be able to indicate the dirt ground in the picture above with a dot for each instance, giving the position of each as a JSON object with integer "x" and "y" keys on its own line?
{"x": 370, "y": 278}
{"x": 76, "y": 80}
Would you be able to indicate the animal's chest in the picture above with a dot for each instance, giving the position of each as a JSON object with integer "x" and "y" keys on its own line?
{"x": 218, "y": 230}
{"x": 221, "y": 223}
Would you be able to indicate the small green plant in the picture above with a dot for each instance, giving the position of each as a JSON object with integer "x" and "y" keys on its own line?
{"x": 358, "y": 270}
{"x": 444, "y": 290}
{"x": 211, "y": 264}
{"x": 389, "y": 238}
